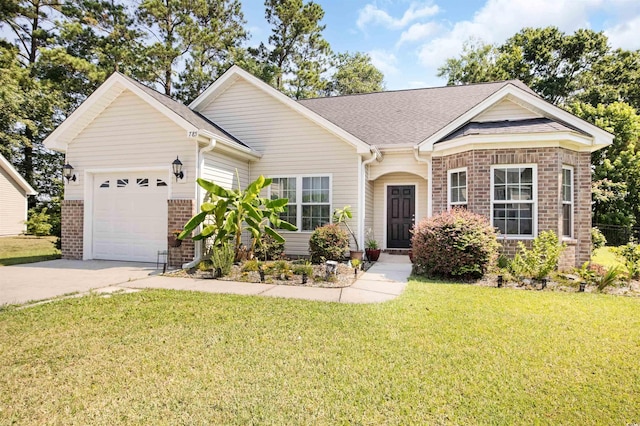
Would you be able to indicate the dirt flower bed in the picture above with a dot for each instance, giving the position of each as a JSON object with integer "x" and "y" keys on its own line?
{"x": 344, "y": 277}
{"x": 563, "y": 282}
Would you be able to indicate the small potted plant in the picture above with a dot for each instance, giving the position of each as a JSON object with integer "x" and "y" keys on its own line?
{"x": 173, "y": 240}
{"x": 372, "y": 250}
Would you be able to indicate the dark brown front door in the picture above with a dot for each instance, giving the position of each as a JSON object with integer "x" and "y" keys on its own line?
{"x": 401, "y": 210}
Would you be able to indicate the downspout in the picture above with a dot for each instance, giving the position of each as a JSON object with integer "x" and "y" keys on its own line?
{"x": 362, "y": 198}
{"x": 198, "y": 245}
{"x": 428, "y": 162}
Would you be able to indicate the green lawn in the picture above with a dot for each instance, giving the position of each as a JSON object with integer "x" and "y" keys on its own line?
{"x": 439, "y": 354}
{"x": 27, "y": 249}
{"x": 606, "y": 257}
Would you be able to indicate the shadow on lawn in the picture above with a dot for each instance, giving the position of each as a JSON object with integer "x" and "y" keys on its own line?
{"x": 8, "y": 261}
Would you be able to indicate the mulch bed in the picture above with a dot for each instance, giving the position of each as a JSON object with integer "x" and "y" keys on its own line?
{"x": 344, "y": 277}
{"x": 566, "y": 283}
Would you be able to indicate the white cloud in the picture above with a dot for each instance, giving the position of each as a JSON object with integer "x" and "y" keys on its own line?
{"x": 497, "y": 20}
{"x": 384, "y": 61}
{"x": 417, "y": 32}
{"x": 371, "y": 14}
{"x": 625, "y": 34}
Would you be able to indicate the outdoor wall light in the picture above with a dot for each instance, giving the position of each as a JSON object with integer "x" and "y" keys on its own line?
{"x": 177, "y": 169}
{"x": 67, "y": 173}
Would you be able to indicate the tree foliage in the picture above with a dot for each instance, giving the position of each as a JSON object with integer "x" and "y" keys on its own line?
{"x": 552, "y": 63}
{"x": 354, "y": 74}
{"x": 298, "y": 48}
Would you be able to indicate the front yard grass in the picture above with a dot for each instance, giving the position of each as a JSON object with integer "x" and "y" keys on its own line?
{"x": 439, "y": 354}
{"x": 27, "y": 249}
{"x": 605, "y": 256}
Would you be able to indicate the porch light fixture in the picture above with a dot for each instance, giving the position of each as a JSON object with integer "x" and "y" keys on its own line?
{"x": 177, "y": 168}
{"x": 67, "y": 173}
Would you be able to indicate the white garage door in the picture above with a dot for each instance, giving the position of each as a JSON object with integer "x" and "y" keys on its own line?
{"x": 129, "y": 216}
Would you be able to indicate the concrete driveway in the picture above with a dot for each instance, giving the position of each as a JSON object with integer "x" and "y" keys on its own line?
{"x": 44, "y": 280}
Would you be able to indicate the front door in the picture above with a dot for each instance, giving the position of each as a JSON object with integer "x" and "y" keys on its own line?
{"x": 401, "y": 210}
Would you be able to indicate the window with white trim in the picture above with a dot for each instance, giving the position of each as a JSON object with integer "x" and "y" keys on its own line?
{"x": 458, "y": 188}
{"x": 567, "y": 201}
{"x": 286, "y": 188}
{"x": 513, "y": 199}
{"x": 309, "y": 200}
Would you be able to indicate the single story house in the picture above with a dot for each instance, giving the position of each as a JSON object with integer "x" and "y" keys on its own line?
{"x": 395, "y": 157}
{"x": 14, "y": 191}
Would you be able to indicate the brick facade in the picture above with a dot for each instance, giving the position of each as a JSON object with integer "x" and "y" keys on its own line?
{"x": 72, "y": 223}
{"x": 549, "y": 201}
{"x": 179, "y": 213}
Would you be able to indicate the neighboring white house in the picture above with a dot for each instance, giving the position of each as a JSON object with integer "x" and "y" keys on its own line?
{"x": 394, "y": 157}
{"x": 13, "y": 199}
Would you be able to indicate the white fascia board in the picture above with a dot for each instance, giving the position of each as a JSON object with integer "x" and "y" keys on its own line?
{"x": 236, "y": 72}
{"x": 11, "y": 171}
{"x": 569, "y": 140}
{"x": 601, "y": 138}
{"x": 232, "y": 145}
{"x": 56, "y": 140}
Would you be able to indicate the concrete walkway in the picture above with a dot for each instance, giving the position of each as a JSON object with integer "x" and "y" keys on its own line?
{"x": 20, "y": 284}
{"x": 384, "y": 281}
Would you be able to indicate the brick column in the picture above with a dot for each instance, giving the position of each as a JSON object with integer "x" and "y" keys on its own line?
{"x": 179, "y": 213}
{"x": 72, "y": 222}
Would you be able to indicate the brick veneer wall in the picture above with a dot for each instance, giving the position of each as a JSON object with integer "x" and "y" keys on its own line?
{"x": 549, "y": 174}
{"x": 179, "y": 213}
{"x": 72, "y": 222}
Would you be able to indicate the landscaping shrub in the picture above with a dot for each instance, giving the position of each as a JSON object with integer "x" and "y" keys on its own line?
{"x": 598, "y": 240}
{"x": 222, "y": 258}
{"x": 38, "y": 223}
{"x": 598, "y": 275}
{"x": 269, "y": 248}
{"x": 631, "y": 254}
{"x": 541, "y": 259}
{"x": 328, "y": 242}
{"x": 455, "y": 244}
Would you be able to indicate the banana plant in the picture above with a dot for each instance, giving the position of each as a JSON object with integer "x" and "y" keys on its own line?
{"x": 227, "y": 213}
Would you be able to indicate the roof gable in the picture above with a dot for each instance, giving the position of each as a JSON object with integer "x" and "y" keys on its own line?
{"x": 235, "y": 73}
{"x": 111, "y": 89}
{"x": 597, "y": 138}
{"x": 18, "y": 179}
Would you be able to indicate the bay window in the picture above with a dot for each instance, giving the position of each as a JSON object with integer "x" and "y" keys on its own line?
{"x": 513, "y": 199}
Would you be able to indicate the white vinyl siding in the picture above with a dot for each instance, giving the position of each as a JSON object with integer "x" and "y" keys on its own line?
{"x": 514, "y": 199}
{"x": 457, "y": 188}
{"x": 13, "y": 206}
{"x": 290, "y": 144}
{"x": 506, "y": 110}
{"x": 567, "y": 201}
{"x": 220, "y": 168}
{"x": 379, "y": 215}
{"x": 128, "y": 135}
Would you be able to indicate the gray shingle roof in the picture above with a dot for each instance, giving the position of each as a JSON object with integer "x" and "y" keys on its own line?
{"x": 531, "y": 125}
{"x": 193, "y": 117}
{"x": 404, "y": 117}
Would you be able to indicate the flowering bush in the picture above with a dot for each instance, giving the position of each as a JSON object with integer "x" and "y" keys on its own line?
{"x": 455, "y": 244}
{"x": 328, "y": 242}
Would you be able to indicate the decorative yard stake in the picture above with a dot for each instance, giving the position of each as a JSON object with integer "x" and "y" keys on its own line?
{"x": 544, "y": 283}
{"x": 304, "y": 278}
{"x": 583, "y": 285}
{"x": 500, "y": 281}
{"x": 261, "y": 272}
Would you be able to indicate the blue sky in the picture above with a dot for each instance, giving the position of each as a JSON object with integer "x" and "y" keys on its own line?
{"x": 409, "y": 40}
